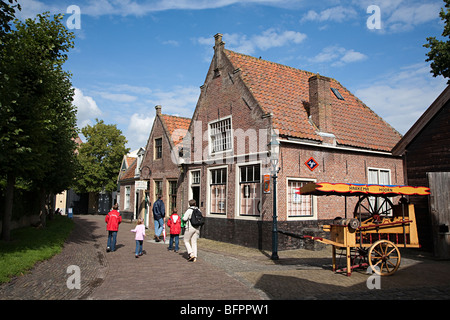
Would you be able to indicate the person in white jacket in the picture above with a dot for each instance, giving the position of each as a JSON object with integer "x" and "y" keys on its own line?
{"x": 191, "y": 234}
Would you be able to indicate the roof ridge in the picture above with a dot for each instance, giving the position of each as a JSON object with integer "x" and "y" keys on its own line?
{"x": 280, "y": 64}
{"x": 165, "y": 114}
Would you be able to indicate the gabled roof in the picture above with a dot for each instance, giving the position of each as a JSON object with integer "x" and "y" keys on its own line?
{"x": 420, "y": 124}
{"x": 127, "y": 161}
{"x": 176, "y": 127}
{"x": 283, "y": 91}
{"x": 129, "y": 172}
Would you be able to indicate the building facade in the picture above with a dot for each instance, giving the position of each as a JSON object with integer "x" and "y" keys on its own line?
{"x": 221, "y": 156}
{"x": 160, "y": 168}
{"x": 325, "y": 133}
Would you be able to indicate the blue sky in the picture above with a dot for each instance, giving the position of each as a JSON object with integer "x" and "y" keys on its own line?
{"x": 132, "y": 55}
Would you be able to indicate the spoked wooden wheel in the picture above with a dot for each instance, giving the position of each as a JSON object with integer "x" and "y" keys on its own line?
{"x": 375, "y": 207}
{"x": 384, "y": 257}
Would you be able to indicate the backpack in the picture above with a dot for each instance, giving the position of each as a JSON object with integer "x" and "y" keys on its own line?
{"x": 197, "y": 219}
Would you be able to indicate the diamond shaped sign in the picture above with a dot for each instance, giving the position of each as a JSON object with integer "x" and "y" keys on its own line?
{"x": 311, "y": 164}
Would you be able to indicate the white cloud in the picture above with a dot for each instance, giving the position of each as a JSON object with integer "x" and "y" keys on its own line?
{"x": 402, "y": 15}
{"x": 30, "y": 8}
{"x": 87, "y": 108}
{"x": 352, "y": 56}
{"x": 138, "y": 130}
{"x": 118, "y": 97}
{"x": 401, "y": 98}
{"x": 337, "y": 14}
{"x": 179, "y": 101}
{"x": 406, "y": 17}
{"x": 268, "y": 39}
{"x": 135, "y": 8}
{"x": 338, "y": 56}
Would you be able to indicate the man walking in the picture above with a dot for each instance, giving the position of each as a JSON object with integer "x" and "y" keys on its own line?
{"x": 159, "y": 214}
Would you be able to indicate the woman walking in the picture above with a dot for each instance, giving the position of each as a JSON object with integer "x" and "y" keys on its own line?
{"x": 192, "y": 233}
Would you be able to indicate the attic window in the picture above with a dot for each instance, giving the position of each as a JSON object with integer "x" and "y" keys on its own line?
{"x": 337, "y": 93}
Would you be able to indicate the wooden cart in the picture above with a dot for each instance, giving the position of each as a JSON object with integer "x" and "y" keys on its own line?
{"x": 377, "y": 228}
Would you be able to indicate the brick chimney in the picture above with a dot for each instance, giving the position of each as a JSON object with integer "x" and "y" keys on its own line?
{"x": 320, "y": 103}
{"x": 158, "y": 109}
{"x": 218, "y": 50}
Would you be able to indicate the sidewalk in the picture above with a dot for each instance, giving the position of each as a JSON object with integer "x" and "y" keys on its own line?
{"x": 222, "y": 272}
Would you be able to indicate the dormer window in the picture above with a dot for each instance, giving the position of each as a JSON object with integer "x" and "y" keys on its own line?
{"x": 337, "y": 93}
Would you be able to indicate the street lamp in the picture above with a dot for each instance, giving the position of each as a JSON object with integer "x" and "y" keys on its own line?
{"x": 274, "y": 147}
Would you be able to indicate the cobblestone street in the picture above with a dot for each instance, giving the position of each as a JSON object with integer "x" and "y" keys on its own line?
{"x": 222, "y": 272}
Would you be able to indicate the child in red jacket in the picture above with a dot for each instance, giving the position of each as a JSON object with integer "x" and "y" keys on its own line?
{"x": 174, "y": 223}
{"x": 112, "y": 219}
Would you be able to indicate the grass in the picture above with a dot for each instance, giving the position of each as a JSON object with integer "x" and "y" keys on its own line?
{"x": 30, "y": 245}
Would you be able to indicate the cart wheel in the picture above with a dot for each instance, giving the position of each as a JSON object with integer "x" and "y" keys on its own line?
{"x": 384, "y": 257}
{"x": 375, "y": 207}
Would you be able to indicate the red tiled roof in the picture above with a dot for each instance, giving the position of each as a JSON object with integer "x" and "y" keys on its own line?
{"x": 173, "y": 123}
{"x": 282, "y": 90}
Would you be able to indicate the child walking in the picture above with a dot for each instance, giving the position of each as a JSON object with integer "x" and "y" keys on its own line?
{"x": 140, "y": 234}
{"x": 174, "y": 223}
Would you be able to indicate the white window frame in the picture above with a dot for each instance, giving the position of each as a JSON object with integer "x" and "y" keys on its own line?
{"x": 238, "y": 214}
{"x": 313, "y": 201}
{"x": 208, "y": 195}
{"x": 191, "y": 184}
{"x": 210, "y": 142}
{"x": 369, "y": 169}
{"x": 378, "y": 175}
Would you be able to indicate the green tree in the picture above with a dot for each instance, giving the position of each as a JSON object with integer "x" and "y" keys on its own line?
{"x": 439, "y": 52}
{"x": 100, "y": 157}
{"x": 7, "y": 14}
{"x": 37, "y": 118}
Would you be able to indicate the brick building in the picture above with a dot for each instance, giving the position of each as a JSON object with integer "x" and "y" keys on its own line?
{"x": 160, "y": 167}
{"x": 325, "y": 134}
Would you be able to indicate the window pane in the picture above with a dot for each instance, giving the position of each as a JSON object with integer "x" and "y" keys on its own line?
{"x": 250, "y": 190}
{"x": 195, "y": 177}
{"x": 172, "y": 195}
{"x": 220, "y": 135}
{"x": 158, "y": 148}
{"x": 298, "y": 205}
{"x": 218, "y": 191}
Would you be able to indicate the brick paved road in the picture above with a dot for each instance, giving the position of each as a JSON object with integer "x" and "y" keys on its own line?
{"x": 159, "y": 274}
{"x": 223, "y": 272}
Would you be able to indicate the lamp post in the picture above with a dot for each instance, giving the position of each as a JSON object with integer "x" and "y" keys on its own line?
{"x": 274, "y": 147}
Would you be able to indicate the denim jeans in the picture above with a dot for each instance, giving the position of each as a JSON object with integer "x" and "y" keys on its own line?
{"x": 159, "y": 224}
{"x": 175, "y": 237}
{"x": 112, "y": 237}
{"x": 139, "y": 245}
